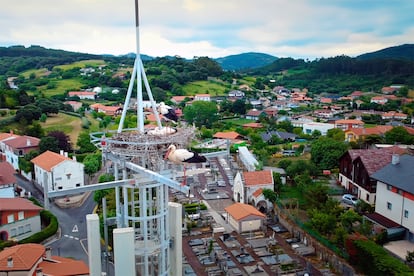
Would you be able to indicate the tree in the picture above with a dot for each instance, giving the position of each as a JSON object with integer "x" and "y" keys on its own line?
{"x": 336, "y": 134}
{"x": 48, "y": 143}
{"x": 35, "y": 130}
{"x": 398, "y": 135}
{"x": 29, "y": 113}
{"x": 84, "y": 143}
{"x": 63, "y": 140}
{"x": 239, "y": 107}
{"x": 269, "y": 195}
{"x": 99, "y": 194}
{"x": 325, "y": 152}
{"x": 92, "y": 164}
{"x": 201, "y": 113}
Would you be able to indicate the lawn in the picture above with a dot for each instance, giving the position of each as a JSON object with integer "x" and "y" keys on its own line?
{"x": 82, "y": 64}
{"x": 61, "y": 86}
{"x": 205, "y": 87}
{"x": 70, "y": 125}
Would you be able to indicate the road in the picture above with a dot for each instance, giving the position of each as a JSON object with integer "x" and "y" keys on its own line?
{"x": 72, "y": 240}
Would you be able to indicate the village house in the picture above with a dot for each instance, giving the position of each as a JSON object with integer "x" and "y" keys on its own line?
{"x": 7, "y": 180}
{"x": 379, "y": 100}
{"x": 108, "y": 110}
{"x": 395, "y": 193}
{"x": 83, "y": 95}
{"x": 178, "y": 99}
{"x": 57, "y": 171}
{"x": 35, "y": 259}
{"x": 4, "y": 137}
{"x": 323, "y": 113}
{"x": 356, "y": 168}
{"x": 254, "y": 114}
{"x": 19, "y": 218}
{"x": 74, "y": 104}
{"x": 244, "y": 217}
{"x": 309, "y": 128}
{"x": 18, "y": 147}
{"x": 394, "y": 115}
{"x": 202, "y": 97}
{"x": 348, "y": 124}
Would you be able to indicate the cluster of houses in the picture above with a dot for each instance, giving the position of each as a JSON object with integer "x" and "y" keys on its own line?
{"x": 20, "y": 217}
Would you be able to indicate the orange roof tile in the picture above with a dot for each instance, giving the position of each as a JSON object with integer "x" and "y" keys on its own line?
{"x": 7, "y": 174}
{"x": 258, "y": 178}
{"x": 21, "y": 142}
{"x": 25, "y": 256}
{"x": 5, "y": 135}
{"x": 258, "y": 192}
{"x": 63, "y": 267}
{"x": 17, "y": 203}
{"x": 350, "y": 121}
{"x": 48, "y": 160}
{"x": 253, "y": 125}
{"x": 227, "y": 135}
{"x": 240, "y": 211}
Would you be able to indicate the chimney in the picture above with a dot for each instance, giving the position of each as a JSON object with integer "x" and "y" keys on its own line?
{"x": 48, "y": 253}
{"x": 74, "y": 158}
{"x": 9, "y": 262}
{"x": 66, "y": 154}
{"x": 61, "y": 152}
{"x": 395, "y": 159}
{"x": 28, "y": 143}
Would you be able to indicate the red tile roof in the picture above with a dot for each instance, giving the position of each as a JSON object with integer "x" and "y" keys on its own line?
{"x": 258, "y": 192}
{"x": 227, "y": 135}
{"x": 253, "y": 125}
{"x": 7, "y": 174}
{"x": 240, "y": 211}
{"x": 258, "y": 178}
{"x": 63, "y": 267}
{"x": 24, "y": 256}
{"x": 18, "y": 204}
{"x": 375, "y": 159}
{"x": 23, "y": 142}
{"x": 381, "y": 220}
{"x": 48, "y": 160}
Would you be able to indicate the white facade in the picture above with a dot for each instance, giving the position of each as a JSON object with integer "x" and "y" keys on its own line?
{"x": 68, "y": 174}
{"x": 308, "y": 128}
{"x": 395, "y": 205}
{"x": 238, "y": 189}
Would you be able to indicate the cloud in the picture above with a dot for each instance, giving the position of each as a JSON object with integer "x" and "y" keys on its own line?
{"x": 214, "y": 28}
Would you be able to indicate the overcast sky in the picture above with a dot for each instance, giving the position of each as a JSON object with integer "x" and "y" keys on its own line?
{"x": 214, "y": 28}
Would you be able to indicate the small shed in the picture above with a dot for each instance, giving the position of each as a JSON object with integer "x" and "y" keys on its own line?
{"x": 244, "y": 217}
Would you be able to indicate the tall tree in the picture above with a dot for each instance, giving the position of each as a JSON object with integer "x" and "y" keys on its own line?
{"x": 201, "y": 113}
{"x": 63, "y": 140}
{"x": 325, "y": 152}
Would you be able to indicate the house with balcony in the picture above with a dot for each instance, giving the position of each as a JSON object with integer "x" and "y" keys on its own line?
{"x": 357, "y": 166}
{"x": 57, "y": 171}
{"x": 202, "y": 97}
{"x": 83, "y": 95}
{"x": 19, "y": 218}
{"x": 348, "y": 124}
{"x": 395, "y": 193}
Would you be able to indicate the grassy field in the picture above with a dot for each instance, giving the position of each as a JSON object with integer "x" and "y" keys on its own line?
{"x": 82, "y": 64}
{"x": 61, "y": 86}
{"x": 70, "y": 125}
{"x": 205, "y": 87}
{"x": 38, "y": 72}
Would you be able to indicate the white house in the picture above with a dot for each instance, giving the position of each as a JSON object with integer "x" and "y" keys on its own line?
{"x": 83, "y": 95}
{"x": 18, "y": 147}
{"x": 308, "y": 128}
{"x": 202, "y": 97}
{"x": 395, "y": 192}
{"x": 57, "y": 171}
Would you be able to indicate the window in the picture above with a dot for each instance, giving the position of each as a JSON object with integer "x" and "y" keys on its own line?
{"x": 21, "y": 215}
{"x": 13, "y": 232}
{"x": 389, "y": 187}
{"x": 27, "y": 228}
{"x": 389, "y": 205}
{"x": 367, "y": 197}
{"x": 406, "y": 213}
{"x": 20, "y": 229}
{"x": 10, "y": 218}
{"x": 68, "y": 175}
{"x": 77, "y": 184}
{"x": 400, "y": 192}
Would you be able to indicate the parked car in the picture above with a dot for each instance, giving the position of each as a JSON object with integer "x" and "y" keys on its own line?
{"x": 349, "y": 199}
